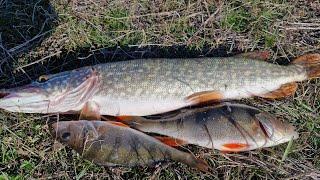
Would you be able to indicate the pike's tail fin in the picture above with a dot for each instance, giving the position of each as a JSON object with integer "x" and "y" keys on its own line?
{"x": 312, "y": 64}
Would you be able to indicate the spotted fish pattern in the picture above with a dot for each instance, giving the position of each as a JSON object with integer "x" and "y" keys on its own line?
{"x": 151, "y": 86}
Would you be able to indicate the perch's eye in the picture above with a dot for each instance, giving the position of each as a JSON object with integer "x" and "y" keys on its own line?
{"x": 65, "y": 136}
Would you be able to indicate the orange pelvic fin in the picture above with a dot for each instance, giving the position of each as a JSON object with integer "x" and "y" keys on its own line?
{"x": 258, "y": 55}
{"x": 90, "y": 111}
{"x": 173, "y": 142}
{"x": 234, "y": 147}
{"x": 130, "y": 120}
{"x": 119, "y": 124}
{"x": 311, "y": 62}
{"x": 125, "y": 118}
{"x": 205, "y": 96}
{"x": 284, "y": 91}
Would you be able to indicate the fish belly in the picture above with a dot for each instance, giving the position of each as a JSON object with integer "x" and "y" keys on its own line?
{"x": 249, "y": 91}
{"x": 260, "y": 87}
{"x": 137, "y": 107}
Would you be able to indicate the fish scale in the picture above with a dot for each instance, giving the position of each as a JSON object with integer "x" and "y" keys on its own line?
{"x": 226, "y": 127}
{"x": 108, "y": 144}
{"x": 169, "y": 80}
{"x": 151, "y": 86}
{"x": 153, "y": 77}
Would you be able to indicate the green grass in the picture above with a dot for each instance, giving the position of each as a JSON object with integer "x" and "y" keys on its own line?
{"x": 27, "y": 149}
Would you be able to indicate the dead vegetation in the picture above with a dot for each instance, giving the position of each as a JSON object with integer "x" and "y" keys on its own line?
{"x": 35, "y": 33}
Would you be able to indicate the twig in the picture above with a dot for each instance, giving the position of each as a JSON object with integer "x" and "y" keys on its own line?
{"x": 169, "y": 13}
{"x": 21, "y": 139}
{"x": 205, "y": 23}
{"x": 38, "y": 61}
{"x": 12, "y": 50}
{"x": 302, "y": 28}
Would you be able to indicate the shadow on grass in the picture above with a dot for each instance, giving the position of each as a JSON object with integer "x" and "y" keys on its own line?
{"x": 23, "y": 25}
{"x": 86, "y": 57}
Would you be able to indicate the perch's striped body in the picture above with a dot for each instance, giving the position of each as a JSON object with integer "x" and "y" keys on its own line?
{"x": 230, "y": 127}
{"x": 109, "y": 144}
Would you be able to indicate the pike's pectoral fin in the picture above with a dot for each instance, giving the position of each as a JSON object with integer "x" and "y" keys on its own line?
{"x": 170, "y": 141}
{"x": 234, "y": 147}
{"x": 258, "y": 55}
{"x": 90, "y": 111}
{"x": 205, "y": 96}
{"x": 284, "y": 91}
{"x": 311, "y": 62}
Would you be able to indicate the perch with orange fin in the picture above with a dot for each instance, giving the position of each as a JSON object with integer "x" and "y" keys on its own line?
{"x": 227, "y": 127}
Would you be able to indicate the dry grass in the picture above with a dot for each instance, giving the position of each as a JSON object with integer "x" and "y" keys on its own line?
{"x": 38, "y": 37}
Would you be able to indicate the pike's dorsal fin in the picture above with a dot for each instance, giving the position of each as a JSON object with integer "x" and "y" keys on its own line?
{"x": 284, "y": 91}
{"x": 90, "y": 111}
{"x": 257, "y": 55}
{"x": 170, "y": 141}
{"x": 205, "y": 96}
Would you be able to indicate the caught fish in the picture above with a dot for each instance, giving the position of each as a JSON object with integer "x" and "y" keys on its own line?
{"x": 114, "y": 144}
{"x": 152, "y": 86}
{"x": 227, "y": 127}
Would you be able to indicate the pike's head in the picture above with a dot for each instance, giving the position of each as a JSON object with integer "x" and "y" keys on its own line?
{"x": 62, "y": 92}
{"x": 74, "y": 133}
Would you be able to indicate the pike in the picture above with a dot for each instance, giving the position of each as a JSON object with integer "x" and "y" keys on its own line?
{"x": 114, "y": 144}
{"x": 152, "y": 86}
{"x": 225, "y": 127}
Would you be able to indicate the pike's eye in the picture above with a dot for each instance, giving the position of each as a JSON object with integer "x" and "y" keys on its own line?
{"x": 65, "y": 136}
{"x": 43, "y": 78}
